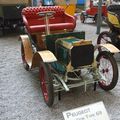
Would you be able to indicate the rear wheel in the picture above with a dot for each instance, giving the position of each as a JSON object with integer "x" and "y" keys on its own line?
{"x": 95, "y": 19}
{"x": 108, "y": 70}
{"x": 46, "y": 83}
{"x": 82, "y": 18}
{"x": 26, "y": 66}
{"x": 104, "y": 38}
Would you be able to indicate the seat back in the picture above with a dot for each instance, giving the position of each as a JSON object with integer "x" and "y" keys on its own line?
{"x": 34, "y": 19}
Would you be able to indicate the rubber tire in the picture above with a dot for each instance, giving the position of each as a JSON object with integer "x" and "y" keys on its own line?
{"x": 82, "y": 18}
{"x": 114, "y": 81}
{"x": 45, "y": 73}
{"x": 100, "y": 37}
{"x": 95, "y": 19}
{"x": 26, "y": 66}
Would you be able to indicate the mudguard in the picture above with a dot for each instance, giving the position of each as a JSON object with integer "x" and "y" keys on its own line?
{"x": 109, "y": 47}
{"x": 34, "y": 59}
{"x": 45, "y": 56}
{"x": 27, "y": 48}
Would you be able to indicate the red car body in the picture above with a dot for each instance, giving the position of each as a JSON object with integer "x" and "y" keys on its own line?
{"x": 92, "y": 12}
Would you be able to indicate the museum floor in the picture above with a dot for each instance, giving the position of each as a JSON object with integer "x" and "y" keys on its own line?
{"x": 20, "y": 93}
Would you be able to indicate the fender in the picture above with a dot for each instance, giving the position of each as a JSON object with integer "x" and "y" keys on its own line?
{"x": 27, "y": 48}
{"x": 33, "y": 60}
{"x": 45, "y": 56}
{"x": 109, "y": 47}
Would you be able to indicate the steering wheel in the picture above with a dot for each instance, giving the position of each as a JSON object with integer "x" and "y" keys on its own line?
{"x": 47, "y": 14}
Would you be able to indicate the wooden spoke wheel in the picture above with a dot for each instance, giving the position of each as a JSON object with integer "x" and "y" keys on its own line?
{"x": 108, "y": 70}
{"x": 46, "y": 83}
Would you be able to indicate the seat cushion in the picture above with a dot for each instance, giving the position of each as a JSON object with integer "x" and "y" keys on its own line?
{"x": 53, "y": 27}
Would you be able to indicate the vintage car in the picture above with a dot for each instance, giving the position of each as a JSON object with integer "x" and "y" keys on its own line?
{"x": 113, "y": 35}
{"x": 64, "y": 58}
{"x": 92, "y": 11}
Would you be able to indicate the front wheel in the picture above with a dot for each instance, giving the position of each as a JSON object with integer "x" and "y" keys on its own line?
{"x": 95, "y": 19}
{"x": 82, "y": 18}
{"x": 46, "y": 83}
{"x": 108, "y": 70}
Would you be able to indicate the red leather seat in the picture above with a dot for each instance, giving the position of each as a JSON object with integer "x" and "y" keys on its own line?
{"x": 60, "y": 21}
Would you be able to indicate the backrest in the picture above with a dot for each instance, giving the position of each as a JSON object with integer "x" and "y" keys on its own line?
{"x": 34, "y": 19}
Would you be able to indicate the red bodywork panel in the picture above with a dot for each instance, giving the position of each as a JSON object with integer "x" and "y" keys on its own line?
{"x": 93, "y": 10}
{"x": 34, "y": 23}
